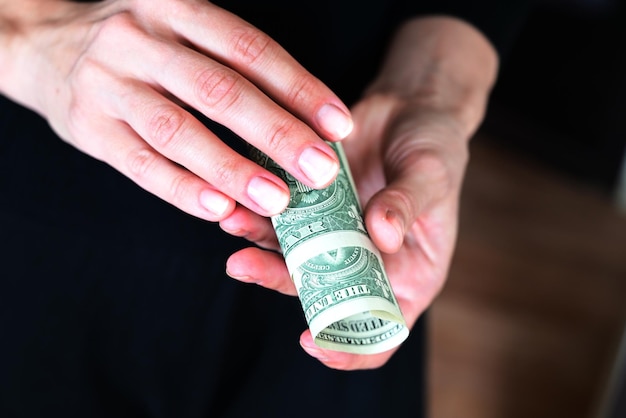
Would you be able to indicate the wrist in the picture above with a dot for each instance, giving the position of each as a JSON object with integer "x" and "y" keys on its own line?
{"x": 21, "y": 24}
{"x": 441, "y": 64}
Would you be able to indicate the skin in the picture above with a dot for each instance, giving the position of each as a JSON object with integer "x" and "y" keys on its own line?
{"x": 408, "y": 154}
{"x": 111, "y": 79}
{"x": 115, "y": 79}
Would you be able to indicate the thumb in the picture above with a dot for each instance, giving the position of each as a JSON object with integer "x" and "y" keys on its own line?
{"x": 415, "y": 182}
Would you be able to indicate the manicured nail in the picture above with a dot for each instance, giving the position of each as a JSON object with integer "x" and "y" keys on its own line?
{"x": 319, "y": 167}
{"x": 238, "y": 277}
{"x": 334, "y": 121}
{"x": 268, "y": 195}
{"x": 237, "y": 232}
{"x": 312, "y": 349}
{"x": 214, "y": 201}
{"x": 231, "y": 271}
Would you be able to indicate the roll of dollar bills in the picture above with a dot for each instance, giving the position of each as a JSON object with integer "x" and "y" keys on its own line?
{"x": 339, "y": 274}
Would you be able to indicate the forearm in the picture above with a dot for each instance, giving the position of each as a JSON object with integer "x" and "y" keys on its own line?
{"x": 441, "y": 63}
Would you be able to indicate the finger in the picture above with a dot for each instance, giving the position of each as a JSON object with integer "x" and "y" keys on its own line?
{"x": 416, "y": 181}
{"x": 265, "y": 268}
{"x": 129, "y": 154}
{"x": 224, "y": 96}
{"x": 175, "y": 134}
{"x": 231, "y": 100}
{"x": 341, "y": 360}
{"x": 254, "y": 54}
{"x": 251, "y": 226}
{"x": 180, "y": 137}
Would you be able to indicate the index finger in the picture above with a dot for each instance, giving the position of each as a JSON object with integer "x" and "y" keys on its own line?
{"x": 252, "y": 53}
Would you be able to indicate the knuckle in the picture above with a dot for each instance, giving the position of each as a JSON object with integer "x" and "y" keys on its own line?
{"x": 83, "y": 73}
{"x": 408, "y": 207}
{"x": 300, "y": 89}
{"x": 280, "y": 134}
{"x": 140, "y": 162}
{"x": 84, "y": 79}
{"x": 118, "y": 26}
{"x": 224, "y": 172}
{"x": 182, "y": 8}
{"x": 218, "y": 87}
{"x": 181, "y": 186}
{"x": 438, "y": 171}
{"x": 249, "y": 44}
{"x": 166, "y": 125}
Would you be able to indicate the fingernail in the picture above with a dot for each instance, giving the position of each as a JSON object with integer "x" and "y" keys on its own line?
{"x": 237, "y": 276}
{"x": 241, "y": 278}
{"x": 237, "y": 232}
{"x": 395, "y": 222}
{"x": 313, "y": 350}
{"x": 214, "y": 202}
{"x": 334, "y": 121}
{"x": 319, "y": 167}
{"x": 268, "y": 195}
{"x": 232, "y": 272}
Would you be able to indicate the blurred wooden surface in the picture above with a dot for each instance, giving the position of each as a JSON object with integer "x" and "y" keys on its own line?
{"x": 528, "y": 323}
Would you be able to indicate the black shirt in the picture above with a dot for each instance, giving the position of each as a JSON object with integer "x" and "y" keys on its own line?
{"x": 114, "y": 303}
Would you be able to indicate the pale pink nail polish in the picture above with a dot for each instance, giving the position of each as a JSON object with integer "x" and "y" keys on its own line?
{"x": 334, "y": 121}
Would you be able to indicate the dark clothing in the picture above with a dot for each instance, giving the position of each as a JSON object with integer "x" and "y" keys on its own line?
{"x": 113, "y": 303}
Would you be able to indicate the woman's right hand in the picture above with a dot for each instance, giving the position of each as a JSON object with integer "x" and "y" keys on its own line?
{"x": 113, "y": 79}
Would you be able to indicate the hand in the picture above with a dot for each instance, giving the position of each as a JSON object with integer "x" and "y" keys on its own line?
{"x": 408, "y": 154}
{"x": 410, "y": 185}
{"x": 115, "y": 78}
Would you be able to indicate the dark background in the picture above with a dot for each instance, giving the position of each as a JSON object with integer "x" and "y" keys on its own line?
{"x": 561, "y": 95}
{"x": 561, "y": 99}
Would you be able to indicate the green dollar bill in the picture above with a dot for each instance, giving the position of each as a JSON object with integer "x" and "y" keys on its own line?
{"x": 338, "y": 272}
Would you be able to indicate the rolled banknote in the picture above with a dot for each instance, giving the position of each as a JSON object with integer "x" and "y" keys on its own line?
{"x": 339, "y": 274}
